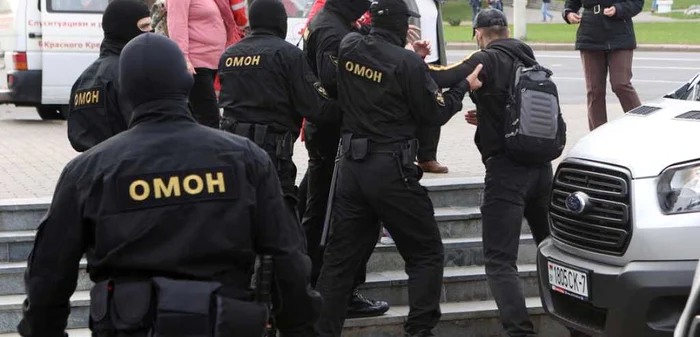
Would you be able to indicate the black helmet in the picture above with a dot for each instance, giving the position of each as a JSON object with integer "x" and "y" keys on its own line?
{"x": 489, "y": 18}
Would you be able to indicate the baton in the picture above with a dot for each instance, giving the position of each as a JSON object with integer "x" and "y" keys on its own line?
{"x": 331, "y": 195}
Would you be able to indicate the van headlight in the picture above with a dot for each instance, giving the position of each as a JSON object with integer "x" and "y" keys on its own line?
{"x": 679, "y": 189}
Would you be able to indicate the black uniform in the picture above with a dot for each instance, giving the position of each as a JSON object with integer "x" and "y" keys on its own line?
{"x": 267, "y": 87}
{"x": 512, "y": 190}
{"x": 96, "y": 111}
{"x": 167, "y": 198}
{"x": 321, "y": 42}
{"x": 386, "y": 92}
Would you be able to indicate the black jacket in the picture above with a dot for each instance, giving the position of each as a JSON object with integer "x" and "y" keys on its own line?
{"x": 96, "y": 112}
{"x": 600, "y": 32}
{"x": 496, "y": 77}
{"x": 267, "y": 80}
{"x": 168, "y": 197}
{"x": 386, "y": 91}
{"x": 321, "y": 42}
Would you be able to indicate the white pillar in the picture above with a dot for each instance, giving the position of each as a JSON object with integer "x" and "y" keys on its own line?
{"x": 520, "y": 19}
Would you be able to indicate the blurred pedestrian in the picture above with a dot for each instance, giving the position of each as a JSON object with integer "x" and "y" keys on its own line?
{"x": 606, "y": 40}
{"x": 202, "y": 29}
{"x": 545, "y": 11}
{"x": 476, "y": 8}
{"x": 496, "y": 4}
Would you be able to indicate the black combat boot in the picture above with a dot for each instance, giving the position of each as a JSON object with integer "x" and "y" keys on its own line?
{"x": 361, "y": 306}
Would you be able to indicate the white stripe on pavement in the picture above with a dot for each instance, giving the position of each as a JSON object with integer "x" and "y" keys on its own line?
{"x": 636, "y": 58}
{"x": 634, "y": 80}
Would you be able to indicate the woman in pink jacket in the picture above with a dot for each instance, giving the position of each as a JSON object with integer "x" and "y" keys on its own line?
{"x": 202, "y": 29}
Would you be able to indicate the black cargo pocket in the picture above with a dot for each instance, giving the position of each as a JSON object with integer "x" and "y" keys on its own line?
{"x": 184, "y": 308}
{"x": 99, "y": 307}
{"x": 132, "y": 306}
{"x": 239, "y": 318}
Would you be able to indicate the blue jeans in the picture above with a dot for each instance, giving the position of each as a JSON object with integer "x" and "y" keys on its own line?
{"x": 475, "y": 11}
{"x": 545, "y": 12}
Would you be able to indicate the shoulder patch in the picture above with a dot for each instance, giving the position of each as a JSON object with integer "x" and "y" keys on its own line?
{"x": 439, "y": 98}
{"x": 454, "y": 65}
{"x": 334, "y": 60}
{"x": 89, "y": 98}
{"x": 179, "y": 187}
{"x": 321, "y": 90}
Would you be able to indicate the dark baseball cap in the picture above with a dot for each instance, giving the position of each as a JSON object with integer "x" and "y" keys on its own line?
{"x": 490, "y": 18}
{"x": 390, "y": 8}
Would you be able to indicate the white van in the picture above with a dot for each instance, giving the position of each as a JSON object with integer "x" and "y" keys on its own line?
{"x": 625, "y": 223}
{"x": 47, "y": 44}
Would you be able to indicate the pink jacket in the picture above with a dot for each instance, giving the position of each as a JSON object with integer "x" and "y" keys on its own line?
{"x": 202, "y": 29}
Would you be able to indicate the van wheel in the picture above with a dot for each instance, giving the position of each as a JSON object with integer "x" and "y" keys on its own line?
{"x": 51, "y": 112}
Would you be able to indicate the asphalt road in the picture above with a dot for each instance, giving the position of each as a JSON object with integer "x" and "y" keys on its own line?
{"x": 655, "y": 73}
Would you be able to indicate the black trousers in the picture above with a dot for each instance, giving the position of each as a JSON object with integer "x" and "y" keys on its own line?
{"x": 512, "y": 191}
{"x": 429, "y": 137}
{"x": 205, "y": 107}
{"x": 322, "y": 145}
{"x": 368, "y": 191}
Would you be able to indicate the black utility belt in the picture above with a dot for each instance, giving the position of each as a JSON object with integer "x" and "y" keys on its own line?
{"x": 359, "y": 148}
{"x": 262, "y": 135}
{"x": 173, "y": 308}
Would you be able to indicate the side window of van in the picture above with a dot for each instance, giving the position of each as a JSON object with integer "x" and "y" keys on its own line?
{"x": 77, "y": 6}
{"x": 295, "y": 8}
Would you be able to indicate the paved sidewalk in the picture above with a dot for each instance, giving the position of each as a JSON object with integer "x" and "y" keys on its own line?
{"x": 33, "y": 152}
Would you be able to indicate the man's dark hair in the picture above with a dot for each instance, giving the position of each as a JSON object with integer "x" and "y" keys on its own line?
{"x": 495, "y": 32}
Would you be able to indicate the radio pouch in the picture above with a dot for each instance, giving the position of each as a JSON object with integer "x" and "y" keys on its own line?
{"x": 184, "y": 308}
{"x": 359, "y": 148}
{"x": 240, "y": 318}
{"x": 132, "y": 306}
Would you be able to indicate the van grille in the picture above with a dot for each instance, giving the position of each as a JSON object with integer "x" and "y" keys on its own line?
{"x": 605, "y": 225}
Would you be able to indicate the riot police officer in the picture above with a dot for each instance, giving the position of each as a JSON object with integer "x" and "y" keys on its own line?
{"x": 170, "y": 215}
{"x": 96, "y": 111}
{"x": 386, "y": 93}
{"x": 267, "y": 87}
{"x": 321, "y": 40}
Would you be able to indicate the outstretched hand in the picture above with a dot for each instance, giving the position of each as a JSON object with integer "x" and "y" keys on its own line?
{"x": 473, "y": 78}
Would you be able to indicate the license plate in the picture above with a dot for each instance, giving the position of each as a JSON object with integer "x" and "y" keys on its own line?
{"x": 568, "y": 281}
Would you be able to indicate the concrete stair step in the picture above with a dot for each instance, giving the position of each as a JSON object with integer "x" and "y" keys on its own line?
{"x": 22, "y": 214}
{"x": 453, "y": 222}
{"x": 460, "y": 284}
{"x": 11, "y": 311}
{"x": 455, "y": 192}
{"x": 26, "y": 214}
{"x": 15, "y": 246}
{"x": 471, "y": 319}
{"x": 461, "y": 252}
{"x": 12, "y": 278}
{"x": 463, "y": 222}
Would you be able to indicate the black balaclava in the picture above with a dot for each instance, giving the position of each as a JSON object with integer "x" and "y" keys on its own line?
{"x": 350, "y": 10}
{"x": 392, "y": 15}
{"x": 144, "y": 78}
{"x": 268, "y": 15}
{"x": 120, "y": 19}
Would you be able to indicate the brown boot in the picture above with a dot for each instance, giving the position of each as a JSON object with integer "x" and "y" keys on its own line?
{"x": 432, "y": 167}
